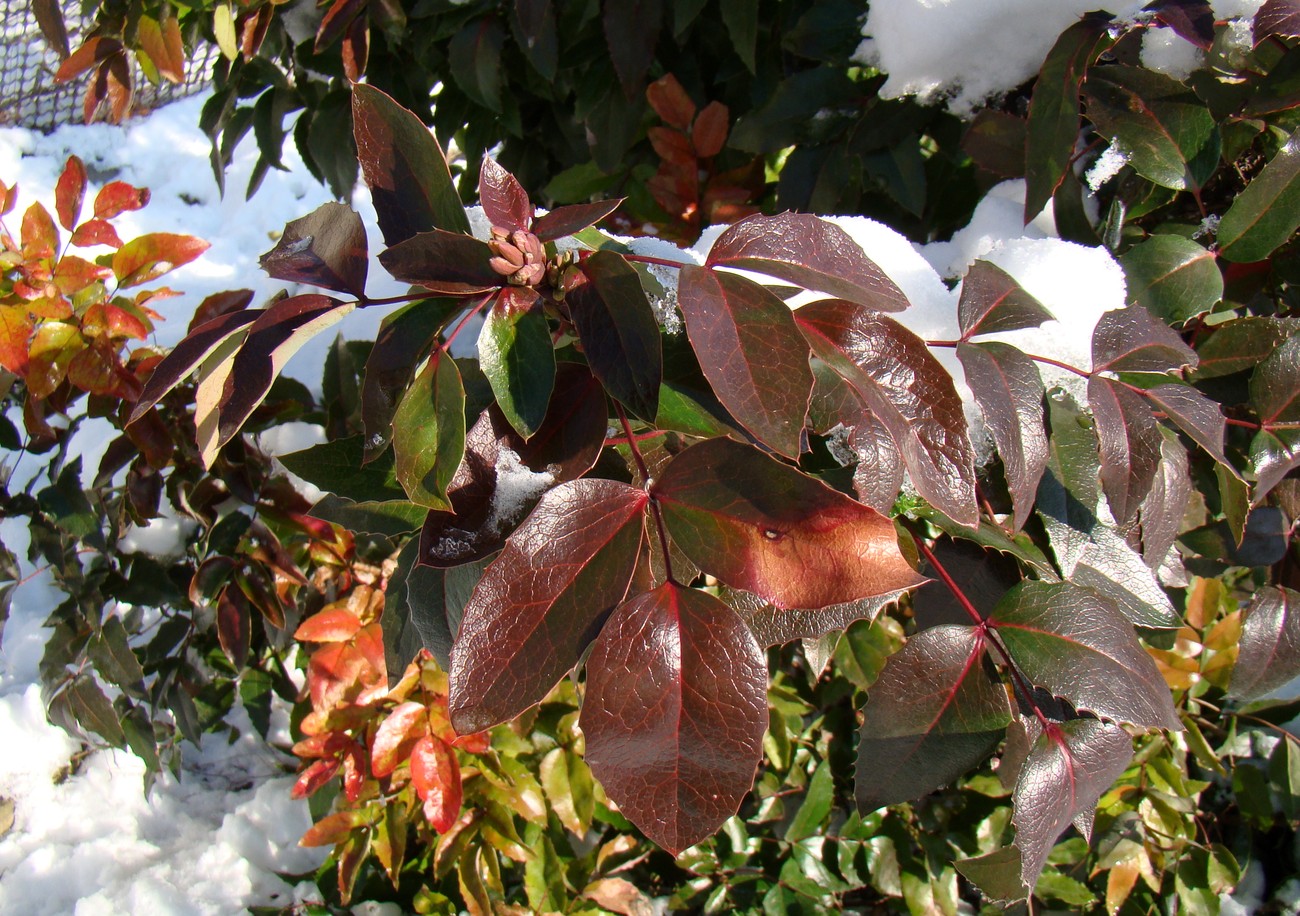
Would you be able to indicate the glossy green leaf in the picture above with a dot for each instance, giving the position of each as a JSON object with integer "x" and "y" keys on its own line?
{"x": 1241, "y": 344}
{"x": 1273, "y": 455}
{"x": 1168, "y": 133}
{"x": 1275, "y": 384}
{"x": 429, "y": 432}
{"x": 1267, "y": 212}
{"x": 518, "y": 358}
{"x": 336, "y": 468}
{"x": 1054, "y": 110}
{"x": 1173, "y": 277}
{"x": 1076, "y": 644}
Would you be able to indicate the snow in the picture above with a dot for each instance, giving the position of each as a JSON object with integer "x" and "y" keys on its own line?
{"x": 1169, "y": 53}
{"x": 963, "y": 52}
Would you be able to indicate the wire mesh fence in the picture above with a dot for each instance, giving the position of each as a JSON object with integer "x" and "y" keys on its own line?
{"x": 29, "y": 97}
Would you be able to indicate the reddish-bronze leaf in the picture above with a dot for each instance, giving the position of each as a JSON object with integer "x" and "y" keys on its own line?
{"x": 619, "y": 333}
{"x": 218, "y": 304}
{"x": 333, "y": 828}
{"x": 709, "y": 133}
{"x": 435, "y": 774}
{"x": 564, "y": 447}
{"x": 572, "y": 219}
{"x": 148, "y": 257}
{"x": 49, "y": 17}
{"x": 763, "y": 526}
{"x": 356, "y": 49}
{"x": 811, "y": 252}
{"x": 1269, "y": 657}
{"x": 161, "y": 41}
{"x": 1132, "y": 340}
{"x": 190, "y": 352}
{"x": 396, "y": 736}
{"x": 1009, "y": 391}
{"x": 543, "y": 599}
{"x": 672, "y": 146}
{"x": 1068, "y": 768}
{"x": 70, "y": 192}
{"x": 447, "y": 263}
{"x": 669, "y": 100}
{"x": 752, "y": 352}
{"x": 1078, "y": 645}
{"x": 775, "y": 626}
{"x": 1129, "y": 439}
{"x": 878, "y": 475}
{"x": 39, "y": 235}
{"x": 933, "y": 713}
{"x": 1195, "y": 414}
{"x": 505, "y": 202}
{"x": 992, "y": 301}
{"x": 325, "y": 248}
{"x": 118, "y": 197}
{"x": 674, "y": 713}
{"x": 233, "y": 625}
{"x": 275, "y": 336}
{"x": 336, "y": 21}
{"x": 15, "y": 333}
{"x": 1164, "y": 508}
{"x": 908, "y": 391}
{"x": 1277, "y": 17}
{"x": 92, "y": 52}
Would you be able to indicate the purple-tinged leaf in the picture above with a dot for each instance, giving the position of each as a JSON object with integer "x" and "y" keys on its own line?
{"x": 502, "y": 476}
{"x": 763, "y": 526}
{"x": 404, "y": 167}
{"x": 1163, "y": 510}
{"x": 1195, "y": 414}
{"x": 1077, "y": 644}
{"x": 429, "y": 432}
{"x": 755, "y": 358}
{"x": 1173, "y": 277}
{"x": 404, "y": 339}
{"x": 1273, "y": 455}
{"x": 1192, "y": 19}
{"x": 518, "y": 358}
{"x": 631, "y": 32}
{"x": 1277, "y": 17}
{"x": 776, "y": 626}
{"x": 878, "y": 475}
{"x": 810, "y": 252}
{"x": 1055, "y": 111}
{"x": 1009, "y": 391}
{"x": 1129, "y": 439}
{"x": 1169, "y": 134}
{"x": 908, "y": 391}
{"x": 505, "y": 202}
{"x": 1275, "y": 384}
{"x": 186, "y": 355}
{"x": 336, "y": 21}
{"x": 544, "y": 598}
{"x": 933, "y": 713}
{"x": 1269, "y": 654}
{"x": 1132, "y": 340}
{"x": 991, "y": 301}
{"x": 1267, "y": 212}
{"x": 674, "y": 713}
{"x": 325, "y": 248}
{"x": 277, "y": 334}
{"x": 1070, "y": 765}
{"x": 572, "y": 219}
{"x": 447, "y": 263}
{"x": 995, "y": 141}
{"x": 618, "y": 331}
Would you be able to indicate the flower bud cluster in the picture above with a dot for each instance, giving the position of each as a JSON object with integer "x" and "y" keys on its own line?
{"x": 518, "y": 256}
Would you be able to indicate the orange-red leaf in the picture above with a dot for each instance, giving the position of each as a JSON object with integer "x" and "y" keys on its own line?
{"x": 332, "y": 829}
{"x": 396, "y": 736}
{"x": 333, "y": 624}
{"x": 70, "y": 192}
{"x": 710, "y": 131}
{"x": 436, "y": 777}
{"x": 150, "y": 256}
{"x": 670, "y": 101}
{"x": 312, "y": 778}
{"x": 96, "y": 232}
{"x": 117, "y": 197}
{"x": 39, "y": 236}
{"x": 92, "y": 51}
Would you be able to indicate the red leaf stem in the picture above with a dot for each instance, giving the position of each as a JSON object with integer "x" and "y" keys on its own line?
{"x": 953, "y": 587}
{"x": 646, "y": 482}
{"x": 950, "y": 344}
